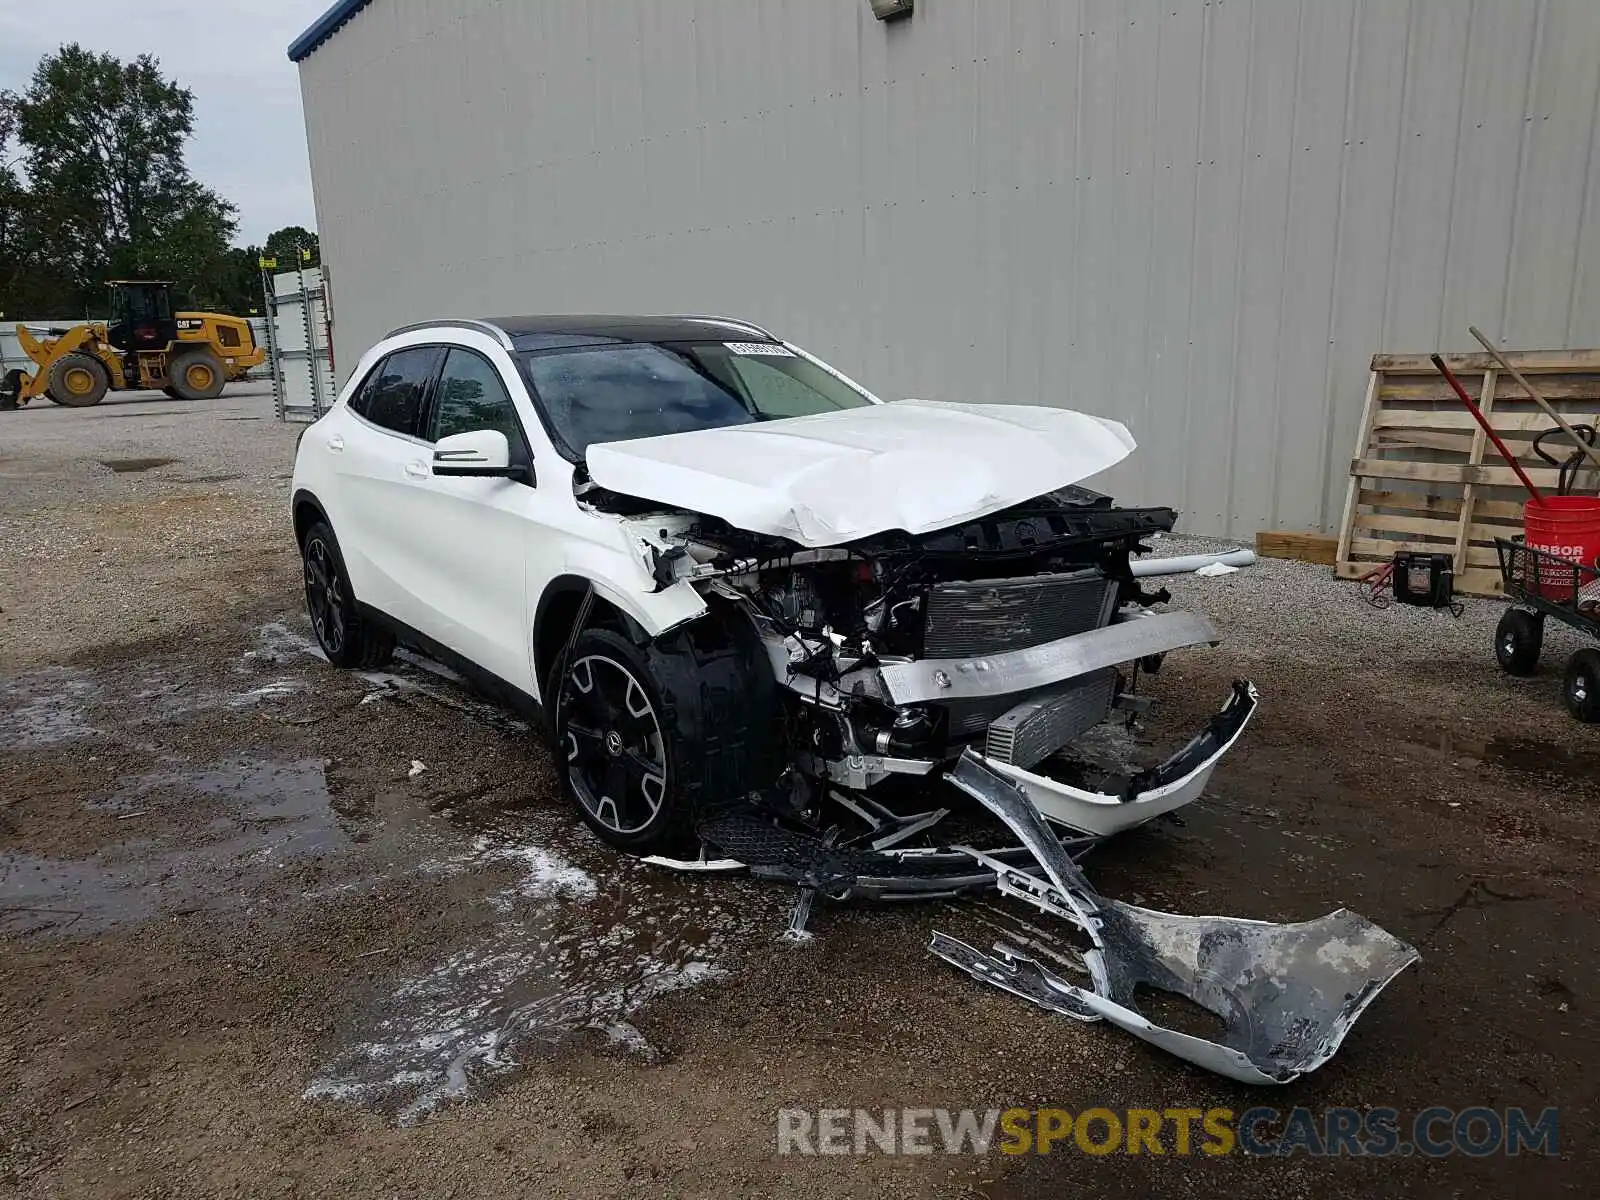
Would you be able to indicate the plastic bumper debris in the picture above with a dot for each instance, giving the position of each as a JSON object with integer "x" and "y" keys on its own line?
{"x": 1286, "y": 994}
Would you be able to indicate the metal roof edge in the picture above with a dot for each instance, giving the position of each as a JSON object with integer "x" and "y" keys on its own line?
{"x": 324, "y": 27}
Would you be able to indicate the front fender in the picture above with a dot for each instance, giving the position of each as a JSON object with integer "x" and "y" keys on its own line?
{"x": 656, "y": 612}
{"x": 619, "y": 575}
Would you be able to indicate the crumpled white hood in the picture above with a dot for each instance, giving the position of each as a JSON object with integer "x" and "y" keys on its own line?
{"x": 916, "y": 465}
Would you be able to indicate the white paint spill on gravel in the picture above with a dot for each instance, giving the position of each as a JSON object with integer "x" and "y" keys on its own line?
{"x": 569, "y": 953}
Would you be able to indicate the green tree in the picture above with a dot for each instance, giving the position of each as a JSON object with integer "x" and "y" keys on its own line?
{"x": 290, "y": 240}
{"x": 108, "y": 192}
{"x": 30, "y": 284}
{"x": 233, "y": 283}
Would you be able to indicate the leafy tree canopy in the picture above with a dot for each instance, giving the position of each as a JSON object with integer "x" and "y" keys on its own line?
{"x": 290, "y": 241}
{"x": 94, "y": 186}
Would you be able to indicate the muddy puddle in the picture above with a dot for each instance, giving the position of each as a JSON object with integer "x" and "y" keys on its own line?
{"x": 1520, "y": 755}
{"x": 134, "y": 466}
{"x": 45, "y": 708}
{"x": 249, "y": 816}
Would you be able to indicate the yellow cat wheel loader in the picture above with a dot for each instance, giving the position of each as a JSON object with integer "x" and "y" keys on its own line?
{"x": 187, "y": 355}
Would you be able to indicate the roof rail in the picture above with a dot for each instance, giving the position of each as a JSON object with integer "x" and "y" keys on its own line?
{"x": 750, "y": 325}
{"x": 493, "y": 330}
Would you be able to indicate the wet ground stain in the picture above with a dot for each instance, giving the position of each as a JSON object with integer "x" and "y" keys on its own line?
{"x": 543, "y": 952}
{"x": 253, "y": 816}
{"x": 45, "y": 707}
{"x": 127, "y": 466}
{"x": 558, "y": 952}
{"x": 1520, "y": 755}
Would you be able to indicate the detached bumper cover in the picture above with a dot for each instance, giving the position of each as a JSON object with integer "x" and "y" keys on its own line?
{"x": 1287, "y": 994}
{"x": 1148, "y": 794}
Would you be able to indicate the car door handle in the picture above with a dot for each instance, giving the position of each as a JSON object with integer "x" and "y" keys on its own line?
{"x": 418, "y": 469}
{"x": 336, "y": 444}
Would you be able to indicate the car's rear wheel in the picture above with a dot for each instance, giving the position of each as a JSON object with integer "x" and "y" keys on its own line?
{"x": 346, "y": 639}
{"x": 647, "y": 736}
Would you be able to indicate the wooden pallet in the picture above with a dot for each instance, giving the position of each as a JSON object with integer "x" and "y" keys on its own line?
{"x": 1318, "y": 548}
{"x": 1427, "y": 478}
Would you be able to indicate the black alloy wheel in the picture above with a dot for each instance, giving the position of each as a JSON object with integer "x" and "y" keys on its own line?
{"x": 325, "y": 596}
{"x": 346, "y": 639}
{"x": 612, "y": 746}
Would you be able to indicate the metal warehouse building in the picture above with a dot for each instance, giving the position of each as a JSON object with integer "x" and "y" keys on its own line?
{"x": 1200, "y": 216}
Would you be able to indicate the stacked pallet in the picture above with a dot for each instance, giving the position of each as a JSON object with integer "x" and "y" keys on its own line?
{"x": 1427, "y": 478}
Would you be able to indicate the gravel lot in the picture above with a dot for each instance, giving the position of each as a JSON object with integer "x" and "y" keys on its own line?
{"x": 251, "y": 947}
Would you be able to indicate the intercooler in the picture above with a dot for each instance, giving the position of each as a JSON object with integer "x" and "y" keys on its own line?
{"x": 973, "y": 618}
{"x": 1033, "y": 730}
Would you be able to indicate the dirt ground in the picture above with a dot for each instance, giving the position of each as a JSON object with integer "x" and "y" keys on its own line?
{"x": 267, "y": 928}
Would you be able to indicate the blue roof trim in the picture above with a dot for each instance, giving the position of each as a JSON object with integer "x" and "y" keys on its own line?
{"x": 324, "y": 27}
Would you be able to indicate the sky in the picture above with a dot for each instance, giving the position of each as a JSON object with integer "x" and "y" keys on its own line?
{"x": 249, "y": 139}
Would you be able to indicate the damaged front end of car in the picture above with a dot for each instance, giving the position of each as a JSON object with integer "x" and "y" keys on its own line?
{"x": 988, "y": 655}
{"x": 1010, "y": 637}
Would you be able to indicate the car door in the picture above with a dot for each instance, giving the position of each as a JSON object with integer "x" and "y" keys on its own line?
{"x": 380, "y": 459}
{"x": 471, "y": 580}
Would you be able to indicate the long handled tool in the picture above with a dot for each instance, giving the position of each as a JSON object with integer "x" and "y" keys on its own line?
{"x": 1549, "y": 411}
{"x": 1477, "y": 415}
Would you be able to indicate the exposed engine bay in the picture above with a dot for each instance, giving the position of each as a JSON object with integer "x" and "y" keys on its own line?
{"x": 1012, "y": 635}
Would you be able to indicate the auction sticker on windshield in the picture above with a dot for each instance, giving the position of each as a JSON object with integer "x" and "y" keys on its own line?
{"x": 766, "y": 348}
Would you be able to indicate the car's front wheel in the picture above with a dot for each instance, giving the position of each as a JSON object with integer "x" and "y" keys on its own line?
{"x": 646, "y": 736}
{"x": 346, "y": 639}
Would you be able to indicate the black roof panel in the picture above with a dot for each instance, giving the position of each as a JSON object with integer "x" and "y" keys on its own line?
{"x": 548, "y": 332}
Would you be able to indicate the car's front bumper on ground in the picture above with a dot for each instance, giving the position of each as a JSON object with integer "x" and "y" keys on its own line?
{"x": 1150, "y": 793}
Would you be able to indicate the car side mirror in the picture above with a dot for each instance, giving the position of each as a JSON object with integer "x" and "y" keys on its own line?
{"x": 479, "y": 453}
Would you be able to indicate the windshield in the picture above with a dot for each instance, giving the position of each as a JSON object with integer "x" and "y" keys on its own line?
{"x": 619, "y": 392}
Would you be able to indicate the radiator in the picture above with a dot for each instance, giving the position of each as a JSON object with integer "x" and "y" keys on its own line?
{"x": 971, "y": 619}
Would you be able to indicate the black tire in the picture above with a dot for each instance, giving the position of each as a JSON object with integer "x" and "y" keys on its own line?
{"x": 172, "y": 392}
{"x": 1581, "y": 689}
{"x": 196, "y": 375}
{"x": 78, "y": 381}
{"x": 668, "y": 729}
{"x": 1517, "y": 641}
{"x": 10, "y": 389}
{"x": 345, "y": 638}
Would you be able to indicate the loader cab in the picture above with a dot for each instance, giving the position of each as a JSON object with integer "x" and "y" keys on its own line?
{"x": 141, "y": 315}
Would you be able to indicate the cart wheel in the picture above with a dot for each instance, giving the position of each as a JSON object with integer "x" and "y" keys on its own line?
{"x": 1517, "y": 641}
{"x": 1582, "y": 690}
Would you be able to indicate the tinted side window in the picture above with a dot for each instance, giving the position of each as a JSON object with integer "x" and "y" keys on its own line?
{"x": 363, "y": 393}
{"x": 394, "y": 396}
{"x": 472, "y": 396}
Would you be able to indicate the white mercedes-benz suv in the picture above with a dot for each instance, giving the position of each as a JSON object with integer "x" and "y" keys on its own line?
{"x": 722, "y": 576}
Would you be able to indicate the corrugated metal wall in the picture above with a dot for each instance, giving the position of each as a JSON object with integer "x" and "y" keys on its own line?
{"x": 1200, "y": 216}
